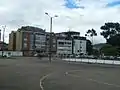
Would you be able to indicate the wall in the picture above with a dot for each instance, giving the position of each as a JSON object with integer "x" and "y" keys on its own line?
{"x": 79, "y": 47}
{"x": 40, "y": 41}
{"x": 19, "y": 40}
{"x": 53, "y": 43}
{"x": 12, "y": 41}
{"x": 65, "y": 48}
{"x": 12, "y": 53}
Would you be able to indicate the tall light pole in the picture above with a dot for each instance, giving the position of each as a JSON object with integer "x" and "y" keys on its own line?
{"x": 4, "y": 27}
{"x": 51, "y": 19}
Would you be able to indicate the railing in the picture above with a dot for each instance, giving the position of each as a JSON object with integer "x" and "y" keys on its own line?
{"x": 97, "y": 61}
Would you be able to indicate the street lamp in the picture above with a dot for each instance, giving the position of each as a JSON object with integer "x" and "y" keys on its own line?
{"x": 4, "y": 27}
{"x": 51, "y": 19}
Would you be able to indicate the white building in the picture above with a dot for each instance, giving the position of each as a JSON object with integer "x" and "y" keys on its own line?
{"x": 79, "y": 47}
{"x": 64, "y": 47}
{"x": 71, "y": 43}
{"x": 40, "y": 40}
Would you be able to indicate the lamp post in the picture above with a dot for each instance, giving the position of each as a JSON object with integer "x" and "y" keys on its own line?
{"x": 51, "y": 22}
{"x": 4, "y": 27}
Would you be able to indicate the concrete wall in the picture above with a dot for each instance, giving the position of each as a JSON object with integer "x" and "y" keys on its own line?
{"x": 12, "y": 41}
{"x": 79, "y": 47}
{"x": 19, "y": 40}
{"x": 65, "y": 48}
{"x": 12, "y": 53}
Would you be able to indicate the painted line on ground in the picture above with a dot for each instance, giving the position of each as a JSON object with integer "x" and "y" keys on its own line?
{"x": 42, "y": 79}
{"x": 90, "y": 79}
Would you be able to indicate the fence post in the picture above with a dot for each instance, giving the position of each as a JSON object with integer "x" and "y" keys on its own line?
{"x": 113, "y": 61}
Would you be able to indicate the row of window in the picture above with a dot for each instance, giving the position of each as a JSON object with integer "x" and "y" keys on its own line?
{"x": 64, "y": 50}
{"x": 64, "y": 43}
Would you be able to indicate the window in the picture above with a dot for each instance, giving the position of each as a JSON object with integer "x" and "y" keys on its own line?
{"x": 61, "y": 43}
{"x": 25, "y": 45}
{"x": 54, "y": 46}
{"x": 54, "y": 41}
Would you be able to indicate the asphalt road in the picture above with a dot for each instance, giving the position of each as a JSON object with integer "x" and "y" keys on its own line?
{"x": 34, "y": 74}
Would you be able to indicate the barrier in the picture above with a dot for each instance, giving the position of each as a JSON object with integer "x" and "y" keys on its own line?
{"x": 99, "y": 61}
{"x": 12, "y": 53}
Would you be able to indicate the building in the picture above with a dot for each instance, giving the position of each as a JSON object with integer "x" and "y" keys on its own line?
{"x": 53, "y": 43}
{"x": 64, "y": 44}
{"x": 71, "y": 43}
{"x": 12, "y": 41}
{"x": 30, "y": 40}
{"x": 3, "y": 46}
{"x": 79, "y": 45}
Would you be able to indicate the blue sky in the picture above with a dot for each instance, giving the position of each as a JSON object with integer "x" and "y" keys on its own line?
{"x": 114, "y": 3}
{"x": 72, "y": 4}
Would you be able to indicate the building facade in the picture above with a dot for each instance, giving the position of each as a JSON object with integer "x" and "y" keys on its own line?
{"x": 64, "y": 47}
{"x": 64, "y": 44}
{"x": 30, "y": 40}
{"x": 53, "y": 43}
{"x": 12, "y": 41}
{"x": 79, "y": 45}
{"x": 71, "y": 43}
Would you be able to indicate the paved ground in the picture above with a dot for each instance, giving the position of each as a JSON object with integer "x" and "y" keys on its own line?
{"x": 30, "y": 74}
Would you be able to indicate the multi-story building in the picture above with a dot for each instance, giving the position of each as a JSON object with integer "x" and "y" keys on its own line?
{"x": 30, "y": 40}
{"x": 79, "y": 45}
{"x": 71, "y": 43}
{"x": 64, "y": 44}
{"x": 12, "y": 41}
{"x": 3, "y": 46}
{"x": 53, "y": 43}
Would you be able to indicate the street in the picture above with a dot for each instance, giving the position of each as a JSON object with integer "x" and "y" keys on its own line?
{"x": 31, "y": 73}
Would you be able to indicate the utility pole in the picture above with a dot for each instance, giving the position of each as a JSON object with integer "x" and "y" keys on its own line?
{"x": 50, "y": 38}
{"x": 34, "y": 47}
{"x": 3, "y": 40}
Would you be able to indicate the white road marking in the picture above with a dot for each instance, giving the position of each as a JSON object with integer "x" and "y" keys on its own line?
{"x": 105, "y": 83}
{"x": 42, "y": 79}
{"x": 90, "y": 79}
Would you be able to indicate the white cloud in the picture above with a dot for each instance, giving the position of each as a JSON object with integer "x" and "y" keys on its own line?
{"x": 14, "y": 13}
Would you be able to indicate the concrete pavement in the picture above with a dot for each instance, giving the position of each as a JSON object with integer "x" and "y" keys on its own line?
{"x": 25, "y": 73}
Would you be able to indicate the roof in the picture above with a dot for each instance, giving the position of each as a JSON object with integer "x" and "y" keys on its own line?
{"x": 79, "y": 37}
{"x": 64, "y": 37}
{"x": 70, "y": 32}
{"x": 31, "y": 28}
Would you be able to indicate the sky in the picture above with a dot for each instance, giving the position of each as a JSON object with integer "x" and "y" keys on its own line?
{"x": 76, "y": 15}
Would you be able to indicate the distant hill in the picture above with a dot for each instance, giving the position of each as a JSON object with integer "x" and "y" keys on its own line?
{"x": 99, "y": 46}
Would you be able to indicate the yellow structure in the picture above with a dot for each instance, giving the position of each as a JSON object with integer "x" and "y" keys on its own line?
{"x": 19, "y": 41}
{"x": 12, "y": 41}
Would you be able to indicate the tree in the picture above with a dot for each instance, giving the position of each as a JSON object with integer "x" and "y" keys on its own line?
{"x": 109, "y": 50}
{"x": 114, "y": 40}
{"x": 89, "y": 47}
{"x": 96, "y": 52}
{"x": 111, "y": 32}
{"x": 110, "y": 29}
{"x": 91, "y": 33}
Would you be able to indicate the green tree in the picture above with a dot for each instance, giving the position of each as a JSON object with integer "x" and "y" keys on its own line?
{"x": 91, "y": 33}
{"x": 89, "y": 47}
{"x": 110, "y": 29}
{"x": 114, "y": 40}
{"x": 109, "y": 50}
{"x": 96, "y": 52}
{"x": 111, "y": 32}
